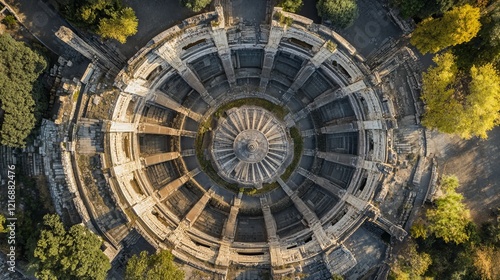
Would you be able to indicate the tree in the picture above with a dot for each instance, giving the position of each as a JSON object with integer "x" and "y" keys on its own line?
{"x": 121, "y": 25}
{"x": 196, "y": 5}
{"x": 457, "y": 26}
{"x": 158, "y": 266}
{"x": 19, "y": 68}
{"x": 291, "y": 6}
{"x": 486, "y": 260}
{"x": 457, "y": 103}
{"x": 69, "y": 254}
{"x": 448, "y": 220}
{"x": 340, "y": 12}
{"x": 485, "y": 47}
{"x": 10, "y": 21}
{"x": 410, "y": 264}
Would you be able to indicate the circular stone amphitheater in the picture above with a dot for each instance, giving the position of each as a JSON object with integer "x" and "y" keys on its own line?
{"x": 233, "y": 146}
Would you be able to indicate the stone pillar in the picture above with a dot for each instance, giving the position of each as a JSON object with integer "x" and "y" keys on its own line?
{"x": 148, "y": 128}
{"x": 344, "y": 159}
{"x": 165, "y": 191}
{"x": 136, "y": 87}
{"x": 69, "y": 37}
{"x": 323, "y": 182}
{"x": 272, "y": 237}
{"x": 159, "y": 158}
{"x": 121, "y": 127}
{"x": 311, "y": 218}
{"x": 167, "y": 102}
{"x": 168, "y": 52}
{"x": 326, "y": 50}
{"x": 228, "y": 233}
{"x": 275, "y": 35}
{"x": 195, "y": 212}
{"x": 340, "y": 128}
{"x": 220, "y": 39}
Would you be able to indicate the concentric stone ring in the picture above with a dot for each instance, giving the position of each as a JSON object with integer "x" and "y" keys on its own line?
{"x": 250, "y": 146}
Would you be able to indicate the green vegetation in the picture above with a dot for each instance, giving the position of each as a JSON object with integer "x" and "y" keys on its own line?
{"x": 196, "y": 5}
{"x": 420, "y": 9}
{"x": 339, "y": 12}
{"x": 410, "y": 264}
{"x": 485, "y": 47}
{"x": 69, "y": 254}
{"x": 291, "y": 6}
{"x": 20, "y": 67}
{"x": 157, "y": 266}
{"x": 121, "y": 25}
{"x": 282, "y": 19}
{"x": 107, "y": 18}
{"x": 448, "y": 220}
{"x": 447, "y": 245}
{"x": 456, "y": 26}
{"x": 10, "y": 21}
{"x": 458, "y": 102}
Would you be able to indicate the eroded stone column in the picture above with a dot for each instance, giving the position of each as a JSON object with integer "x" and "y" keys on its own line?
{"x": 275, "y": 35}
{"x": 272, "y": 237}
{"x": 159, "y": 158}
{"x": 220, "y": 39}
{"x": 169, "y": 53}
{"x": 167, "y": 102}
{"x": 171, "y": 187}
{"x": 148, "y": 128}
{"x": 309, "y": 216}
{"x": 326, "y": 51}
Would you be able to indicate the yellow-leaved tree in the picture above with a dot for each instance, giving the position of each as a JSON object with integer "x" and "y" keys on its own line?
{"x": 457, "y": 26}
{"x": 459, "y": 103}
{"x": 121, "y": 25}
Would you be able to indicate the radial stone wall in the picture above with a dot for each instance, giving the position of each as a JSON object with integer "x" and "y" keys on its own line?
{"x": 176, "y": 83}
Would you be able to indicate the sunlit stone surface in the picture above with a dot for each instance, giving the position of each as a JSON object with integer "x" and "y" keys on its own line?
{"x": 250, "y": 146}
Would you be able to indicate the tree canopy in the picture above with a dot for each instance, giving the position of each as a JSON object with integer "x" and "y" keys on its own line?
{"x": 457, "y": 26}
{"x": 121, "y": 25}
{"x": 466, "y": 104}
{"x": 109, "y": 19}
{"x": 291, "y": 6}
{"x": 196, "y": 5}
{"x": 421, "y": 9}
{"x": 19, "y": 68}
{"x": 340, "y": 12}
{"x": 158, "y": 266}
{"x": 69, "y": 254}
{"x": 485, "y": 47}
{"x": 410, "y": 264}
{"x": 448, "y": 220}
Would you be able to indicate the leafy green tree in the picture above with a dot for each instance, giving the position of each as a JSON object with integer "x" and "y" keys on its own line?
{"x": 158, "y": 266}
{"x": 69, "y": 254}
{"x": 291, "y": 6}
{"x": 196, "y": 5}
{"x": 121, "y": 25}
{"x": 10, "y": 21}
{"x": 410, "y": 264}
{"x": 457, "y": 26}
{"x": 448, "y": 220}
{"x": 485, "y": 47}
{"x": 466, "y": 105}
{"x": 340, "y": 12}
{"x": 19, "y": 68}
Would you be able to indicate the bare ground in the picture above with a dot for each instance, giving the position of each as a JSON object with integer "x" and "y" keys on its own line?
{"x": 476, "y": 163}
